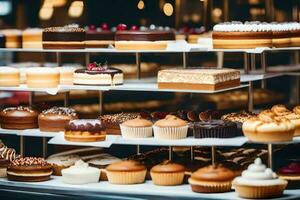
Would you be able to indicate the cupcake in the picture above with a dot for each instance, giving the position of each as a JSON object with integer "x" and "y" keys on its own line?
{"x": 215, "y": 129}
{"x": 259, "y": 182}
{"x": 126, "y": 172}
{"x": 291, "y": 173}
{"x": 212, "y": 179}
{"x": 136, "y": 128}
{"x": 62, "y": 162}
{"x": 170, "y": 128}
{"x": 280, "y": 110}
{"x": 80, "y": 174}
{"x": 268, "y": 127}
{"x": 167, "y": 174}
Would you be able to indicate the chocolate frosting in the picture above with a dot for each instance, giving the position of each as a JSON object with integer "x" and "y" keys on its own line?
{"x": 29, "y": 161}
{"x": 214, "y": 124}
{"x": 60, "y": 111}
{"x": 64, "y": 36}
{"x": 100, "y": 35}
{"x": 147, "y": 35}
{"x": 110, "y": 70}
{"x": 93, "y": 125}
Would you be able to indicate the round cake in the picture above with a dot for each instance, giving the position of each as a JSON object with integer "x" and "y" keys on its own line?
{"x": 100, "y": 37}
{"x": 85, "y": 130}
{"x": 55, "y": 119}
{"x": 97, "y": 74}
{"x": 143, "y": 39}
{"x": 295, "y": 33}
{"x": 32, "y": 38}
{"x": 281, "y": 35}
{"x": 67, "y": 37}
{"x": 19, "y": 118}
{"x": 9, "y": 76}
{"x": 42, "y": 77}
{"x": 13, "y": 38}
{"x": 29, "y": 169}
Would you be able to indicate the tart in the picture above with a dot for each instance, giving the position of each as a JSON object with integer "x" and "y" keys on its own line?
{"x": 136, "y": 128}
{"x": 9, "y": 76}
{"x": 62, "y": 162}
{"x": 215, "y": 129}
{"x": 291, "y": 173}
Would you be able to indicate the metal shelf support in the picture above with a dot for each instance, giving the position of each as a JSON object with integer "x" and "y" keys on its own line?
{"x": 138, "y": 64}
{"x": 101, "y": 107}
{"x": 170, "y": 152}
{"x": 213, "y": 155}
{"x": 184, "y": 59}
{"x": 264, "y": 68}
{"x": 270, "y": 156}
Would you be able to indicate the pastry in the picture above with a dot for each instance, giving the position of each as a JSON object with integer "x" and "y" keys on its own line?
{"x": 126, "y": 172}
{"x": 67, "y": 37}
{"x": 198, "y": 79}
{"x": 268, "y": 127}
{"x": 98, "y": 74}
{"x": 215, "y": 129}
{"x": 7, "y": 155}
{"x": 236, "y": 35}
{"x": 112, "y": 121}
{"x": 2, "y": 40}
{"x": 291, "y": 173}
{"x": 212, "y": 179}
{"x": 9, "y": 76}
{"x": 281, "y": 36}
{"x": 81, "y": 173}
{"x": 170, "y": 128}
{"x": 66, "y": 75}
{"x": 32, "y": 38}
{"x": 100, "y": 37}
{"x": 13, "y": 38}
{"x": 19, "y": 118}
{"x": 142, "y": 39}
{"x": 42, "y": 77}
{"x": 56, "y": 118}
{"x": 29, "y": 169}
{"x": 136, "y": 128}
{"x": 101, "y": 162}
{"x": 295, "y": 34}
{"x": 85, "y": 130}
{"x": 62, "y": 162}
{"x": 167, "y": 174}
{"x": 259, "y": 182}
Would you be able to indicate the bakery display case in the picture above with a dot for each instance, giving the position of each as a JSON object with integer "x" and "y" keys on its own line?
{"x": 92, "y": 130}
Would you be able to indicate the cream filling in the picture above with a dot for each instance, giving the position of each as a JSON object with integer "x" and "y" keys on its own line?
{"x": 238, "y": 42}
{"x": 29, "y": 174}
{"x": 97, "y": 79}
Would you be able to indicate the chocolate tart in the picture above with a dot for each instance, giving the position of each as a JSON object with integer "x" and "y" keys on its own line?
{"x": 215, "y": 129}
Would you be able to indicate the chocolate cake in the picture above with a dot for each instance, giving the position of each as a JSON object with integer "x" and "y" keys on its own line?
{"x": 215, "y": 129}
{"x": 100, "y": 37}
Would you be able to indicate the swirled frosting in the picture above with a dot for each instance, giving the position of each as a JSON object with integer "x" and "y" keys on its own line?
{"x": 258, "y": 174}
{"x": 280, "y": 110}
{"x": 8, "y": 153}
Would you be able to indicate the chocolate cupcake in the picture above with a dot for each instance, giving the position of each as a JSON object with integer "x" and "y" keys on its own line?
{"x": 215, "y": 129}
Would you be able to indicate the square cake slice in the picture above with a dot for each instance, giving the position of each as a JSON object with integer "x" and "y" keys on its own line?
{"x": 198, "y": 78}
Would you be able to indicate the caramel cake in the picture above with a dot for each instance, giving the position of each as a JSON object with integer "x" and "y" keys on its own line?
{"x": 98, "y": 74}
{"x": 281, "y": 35}
{"x": 85, "y": 130}
{"x": 67, "y": 37}
{"x": 198, "y": 79}
{"x": 142, "y": 39}
{"x": 294, "y": 33}
{"x": 32, "y": 38}
{"x": 13, "y": 38}
{"x": 100, "y": 37}
{"x": 236, "y": 35}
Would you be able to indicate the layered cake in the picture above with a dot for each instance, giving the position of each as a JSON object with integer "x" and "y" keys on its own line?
{"x": 281, "y": 35}
{"x": 143, "y": 39}
{"x": 32, "y": 38}
{"x": 198, "y": 79}
{"x": 42, "y": 77}
{"x": 100, "y": 37}
{"x": 18, "y": 118}
{"x": 85, "y": 130}
{"x": 236, "y": 35}
{"x": 67, "y": 37}
{"x": 98, "y": 74}
{"x": 13, "y": 38}
{"x": 56, "y": 118}
{"x": 9, "y": 76}
{"x": 295, "y": 34}
{"x": 66, "y": 75}
{"x": 2, "y": 40}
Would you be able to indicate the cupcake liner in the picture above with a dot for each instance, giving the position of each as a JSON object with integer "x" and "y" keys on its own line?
{"x": 3, "y": 173}
{"x": 210, "y": 187}
{"x": 126, "y": 178}
{"x": 167, "y": 179}
{"x": 170, "y": 133}
{"x": 221, "y": 132}
{"x": 258, "y": 192}
{"x": 136, "y": 132}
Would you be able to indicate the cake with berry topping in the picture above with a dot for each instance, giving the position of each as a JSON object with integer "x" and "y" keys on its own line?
{"x": 98, "y": 74}
{"x": 67, "y": 37}
{"x": 56, "y": 118}
{"x": 100, "y": 37}
{"x": 137, "y": 39}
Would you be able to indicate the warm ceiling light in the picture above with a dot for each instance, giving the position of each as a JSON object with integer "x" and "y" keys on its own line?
{"x": 141, "y": 5}
{"x": 59, "y": 3}
{"x": 168, "y": 9}
{"x": 46, "y": 13}
{"x": 76, "y": 9}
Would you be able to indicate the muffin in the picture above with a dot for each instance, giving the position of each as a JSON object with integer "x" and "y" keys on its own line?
{"x": 259, "y": 182}
{"x": 167, "y": 174}
{"x": 212, "y": 179}
{"x": 268, "y": 127}
{"x": 62, "y": 162}
{"x": 215, "y": 129}
{"x": 170, "y": 128}
{"x": 291, "y": 173}
{"x": 126, "y": 172}
{"x": 136, "y": 128}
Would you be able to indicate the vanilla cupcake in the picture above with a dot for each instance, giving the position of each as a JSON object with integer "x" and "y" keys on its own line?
{"x": 136, "y": 128}
{"x": 170, "y": 128}
{"x": 167, "y": 174}
{"x": 259, "y": 182}
{"x": 80, "y": 174}
{"x": 126, "y": 172}
{"x": 268, "y": 127}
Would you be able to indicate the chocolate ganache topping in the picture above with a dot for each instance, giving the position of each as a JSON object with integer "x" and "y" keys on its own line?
{"x": 8, "y": 153}
{"x": 91, "y": 125}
